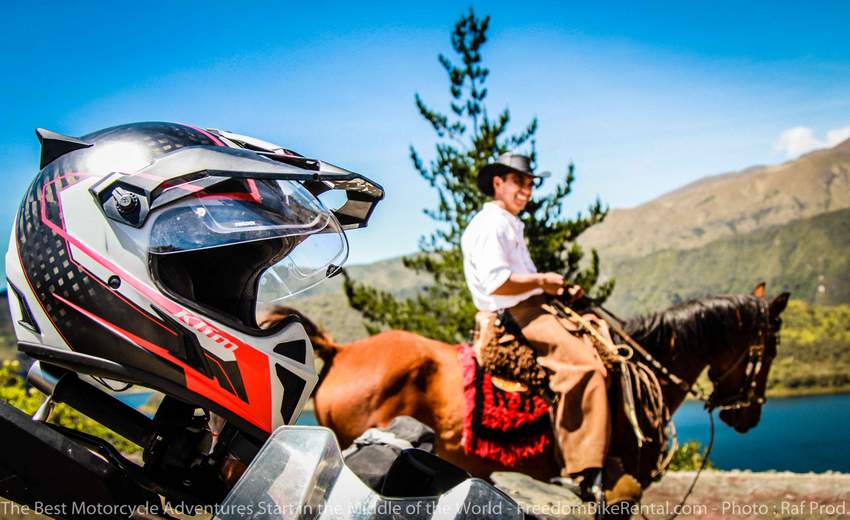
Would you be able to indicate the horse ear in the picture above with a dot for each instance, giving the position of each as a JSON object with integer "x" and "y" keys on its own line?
{"x": 779, "y": 303}
{"x": 759, "y": 291}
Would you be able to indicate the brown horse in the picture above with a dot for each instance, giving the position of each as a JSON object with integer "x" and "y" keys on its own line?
{"x": 368, "y": 382}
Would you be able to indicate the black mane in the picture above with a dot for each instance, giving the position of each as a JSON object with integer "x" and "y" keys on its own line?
{"x": 696, "y": 325}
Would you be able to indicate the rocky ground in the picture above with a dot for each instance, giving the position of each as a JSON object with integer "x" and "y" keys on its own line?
{"x": 718, "y": 494}
{"x": 743, "y": 494}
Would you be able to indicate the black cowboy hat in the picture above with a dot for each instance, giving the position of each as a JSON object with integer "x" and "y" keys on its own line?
{"x": 506, "y": 163}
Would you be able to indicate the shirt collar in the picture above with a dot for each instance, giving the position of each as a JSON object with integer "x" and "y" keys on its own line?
{"x": 513, "y": 219}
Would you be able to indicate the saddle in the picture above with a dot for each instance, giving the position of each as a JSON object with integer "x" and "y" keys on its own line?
{"x": 507, "y": 356}
{"x": 504, "y": 353}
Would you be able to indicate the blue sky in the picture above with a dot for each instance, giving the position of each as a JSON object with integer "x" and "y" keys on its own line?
{"x": 643, "y": 97}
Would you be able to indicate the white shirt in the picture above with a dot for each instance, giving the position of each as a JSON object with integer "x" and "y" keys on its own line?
{"x": 493, "y": 247}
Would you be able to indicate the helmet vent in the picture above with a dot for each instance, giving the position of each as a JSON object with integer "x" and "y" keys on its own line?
{"x": 27, "y": 321}
{"x": 295, "y": 350}
{"x": 293, "y": 387}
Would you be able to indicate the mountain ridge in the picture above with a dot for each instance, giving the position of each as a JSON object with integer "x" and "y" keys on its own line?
{"x": 727, "y": 204}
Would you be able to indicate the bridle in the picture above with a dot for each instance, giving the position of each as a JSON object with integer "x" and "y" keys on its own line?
{"x": 756, "y": 359}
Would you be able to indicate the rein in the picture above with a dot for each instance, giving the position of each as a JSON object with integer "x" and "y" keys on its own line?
{"x": 746, "y": 396}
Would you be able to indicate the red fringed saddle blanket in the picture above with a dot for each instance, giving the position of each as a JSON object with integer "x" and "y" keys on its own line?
{"x": 498, "y": 425}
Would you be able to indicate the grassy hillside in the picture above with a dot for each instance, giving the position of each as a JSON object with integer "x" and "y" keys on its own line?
{"x": 814, "y": 354}
{"x": 807, "y": 257}
{"x": 331, "y": 312}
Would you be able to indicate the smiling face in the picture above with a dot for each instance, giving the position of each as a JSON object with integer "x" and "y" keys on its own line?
{"x": 512, "y": 191}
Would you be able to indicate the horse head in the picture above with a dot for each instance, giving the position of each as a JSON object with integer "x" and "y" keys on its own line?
{"x": 739, "y": 372}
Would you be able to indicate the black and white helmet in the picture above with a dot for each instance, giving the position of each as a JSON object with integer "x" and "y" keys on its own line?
{"x": 146, "y": 252}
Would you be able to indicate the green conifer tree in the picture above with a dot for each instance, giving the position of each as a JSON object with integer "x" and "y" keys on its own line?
{"x": 469, "y": 138}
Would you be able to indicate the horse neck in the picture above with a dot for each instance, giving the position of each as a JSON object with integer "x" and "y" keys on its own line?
{"x": 688, "y": 370}
{"x": 684, "y": 339}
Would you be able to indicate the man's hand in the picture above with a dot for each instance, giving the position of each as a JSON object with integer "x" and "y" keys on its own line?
{"x": 574, "y": 292}
{"x": 552, "y": 283}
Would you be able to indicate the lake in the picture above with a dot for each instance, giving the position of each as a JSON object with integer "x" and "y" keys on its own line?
{"x": 795, "y": 434}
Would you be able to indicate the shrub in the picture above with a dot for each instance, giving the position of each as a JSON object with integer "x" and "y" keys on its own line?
{"x": 689, "y": 457}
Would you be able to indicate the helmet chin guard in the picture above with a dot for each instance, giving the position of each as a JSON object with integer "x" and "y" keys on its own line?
{"x": 144, "y": 252}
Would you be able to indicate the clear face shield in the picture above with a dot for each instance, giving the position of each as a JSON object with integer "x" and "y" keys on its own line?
{"x": 311, "y": 242}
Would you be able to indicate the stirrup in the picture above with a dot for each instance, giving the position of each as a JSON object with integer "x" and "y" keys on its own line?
{"x": 586, "y": 491}
{"x": 597, "y": 490}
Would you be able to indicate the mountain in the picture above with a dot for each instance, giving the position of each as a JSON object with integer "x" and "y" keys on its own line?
{"x": 387, "y": 275}
{"x": 727, "y": 205}
{"x": 807, "y": 257}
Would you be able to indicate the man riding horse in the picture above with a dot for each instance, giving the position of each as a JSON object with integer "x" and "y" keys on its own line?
{"x": 502, "y": 277}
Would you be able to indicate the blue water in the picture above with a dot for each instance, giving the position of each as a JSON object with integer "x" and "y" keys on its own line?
{"x": 307, "y": 418}
{"x": 795, "y": 434}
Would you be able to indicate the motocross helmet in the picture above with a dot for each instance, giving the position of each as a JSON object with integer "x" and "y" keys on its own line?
{"x": 146, "y": 253}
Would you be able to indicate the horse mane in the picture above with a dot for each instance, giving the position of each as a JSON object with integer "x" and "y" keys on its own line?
{"x": 696, "y": 325}
{"x": 323, "y": 343}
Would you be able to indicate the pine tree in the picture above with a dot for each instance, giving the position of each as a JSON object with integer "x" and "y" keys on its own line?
{"x": 469, "y": 138}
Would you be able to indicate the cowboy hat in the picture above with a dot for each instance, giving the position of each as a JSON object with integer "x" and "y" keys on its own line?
{"x": 506, "y": 163}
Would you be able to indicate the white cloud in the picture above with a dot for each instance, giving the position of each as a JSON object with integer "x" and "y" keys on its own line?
{"x": 794, "y": 142}
{"x": 833, "y": 137}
